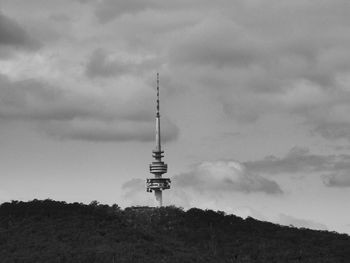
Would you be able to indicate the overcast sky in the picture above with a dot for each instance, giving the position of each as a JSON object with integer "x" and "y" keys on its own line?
{"x": 255, "y": 104}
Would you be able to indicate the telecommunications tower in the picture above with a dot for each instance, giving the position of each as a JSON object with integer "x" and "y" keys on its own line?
{"x": 158, "y": 167}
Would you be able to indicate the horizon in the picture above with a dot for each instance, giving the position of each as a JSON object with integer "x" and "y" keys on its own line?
{"x": 254, "y": 105}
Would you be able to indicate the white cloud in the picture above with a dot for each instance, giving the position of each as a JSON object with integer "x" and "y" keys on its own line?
{"x": 224, "y": 177}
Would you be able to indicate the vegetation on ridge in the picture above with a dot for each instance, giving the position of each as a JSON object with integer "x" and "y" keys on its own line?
{"x": 57, "y": 232}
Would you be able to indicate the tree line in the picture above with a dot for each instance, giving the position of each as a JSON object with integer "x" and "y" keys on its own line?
{"x": 58, "y": 232}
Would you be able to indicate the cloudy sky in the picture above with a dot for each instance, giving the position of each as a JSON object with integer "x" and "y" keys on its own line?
{"x": 255, "y": 104}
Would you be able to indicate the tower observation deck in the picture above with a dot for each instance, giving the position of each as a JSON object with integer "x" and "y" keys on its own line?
{"x": 158, "y": 167}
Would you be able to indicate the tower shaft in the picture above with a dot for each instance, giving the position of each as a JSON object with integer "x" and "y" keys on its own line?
{"x": 158, "y": 139}
{"x": 158, "y": 147}
{"x": 158, "y": 167}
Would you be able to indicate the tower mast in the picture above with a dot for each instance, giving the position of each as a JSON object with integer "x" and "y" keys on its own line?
{"x": 158, "y": 167}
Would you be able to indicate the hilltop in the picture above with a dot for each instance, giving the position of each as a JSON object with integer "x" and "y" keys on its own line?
{"x": 58, "y": 232}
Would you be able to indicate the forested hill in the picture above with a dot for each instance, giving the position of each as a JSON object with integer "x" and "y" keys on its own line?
{"x": 57, "y": 232}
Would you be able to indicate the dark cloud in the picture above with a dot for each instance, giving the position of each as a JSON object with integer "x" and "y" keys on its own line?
{"x": 336, "y": 168}
{"x": 14, "y": 35}
{"x": 69, "y": 115}
{"x": 333, "y": 130}
{"x": 337, "y": 179}
{"x": 296, "y": 160}
{"x": 34, "y": 100}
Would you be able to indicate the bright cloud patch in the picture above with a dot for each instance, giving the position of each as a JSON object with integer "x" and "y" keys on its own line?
{"x": 224, "y": 176}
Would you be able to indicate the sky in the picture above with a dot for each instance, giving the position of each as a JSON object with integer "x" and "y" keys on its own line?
{"x": 255, "y": 104}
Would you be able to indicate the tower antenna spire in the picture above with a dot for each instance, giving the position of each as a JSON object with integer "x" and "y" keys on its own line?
{"x": 158, "y": 95}
{"x": 158, "y": 167}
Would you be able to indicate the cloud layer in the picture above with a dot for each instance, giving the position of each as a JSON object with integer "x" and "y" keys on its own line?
{"x": 67, "y": 114}
{"x": 335, "y": 168}
{"x": 255, "y": 66}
